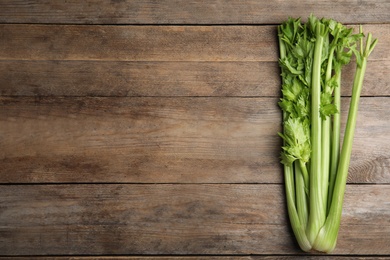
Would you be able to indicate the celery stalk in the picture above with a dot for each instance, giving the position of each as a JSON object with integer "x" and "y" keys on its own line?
{"x": 327, "y": 238}
{"x": 335, "y": 146}
{"x": 315, "y": 170}
{"x": 297, "y": 227}
{"x": 297, "y": 222}
{"x": 317, "y": 213}
{"x": 301, "y": 194}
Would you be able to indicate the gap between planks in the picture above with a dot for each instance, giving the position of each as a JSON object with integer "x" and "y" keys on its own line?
{"x": 204, "y": 257}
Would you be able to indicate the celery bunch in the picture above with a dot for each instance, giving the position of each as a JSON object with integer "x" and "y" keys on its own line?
{"x": 315, "y": 168}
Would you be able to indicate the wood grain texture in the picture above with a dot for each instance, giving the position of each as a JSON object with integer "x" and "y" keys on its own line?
{"x": 192, "y": 12}
{"x": 95, "y": 78}
{"x": 200, "y": 257}
{"x": 166, "y": 140}
{"x": 143, "y": 129}
{"x": 80, "y": 78}
{"x": 152, "y": 43}
{"x": 311, "y": 256}
{"x": 126, "y": 78}
{"x": 175, "y": 219}
{"x": 141, "y": 43}
{"x": 139, "y": 139}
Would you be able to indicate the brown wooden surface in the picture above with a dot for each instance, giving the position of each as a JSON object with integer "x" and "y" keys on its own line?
{"x": 175, "y": 219}
{"x": 163, "y": 78}
{"x": 252, "y": 257}
{"x": 189, "y": 12}
{"x": 166, "y": 140}
{"x": 152, "y": 43}
{"x": 148, "y": 129}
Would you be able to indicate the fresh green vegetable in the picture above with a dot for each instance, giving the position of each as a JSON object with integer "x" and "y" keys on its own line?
{"x": 312, "y": 55}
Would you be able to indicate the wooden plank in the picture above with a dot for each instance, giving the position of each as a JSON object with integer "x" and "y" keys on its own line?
{"x": 111, "y": 78}
{"x": 81, "y": 78}
{"x": 146, "y": 43}
{"x": 152, "y": 43}
{"x": 138, "y": 139}
{"x": 175, "y": 219}
{"x": 193, "y": 12}
{"x": 192, "y": 257}
{"x": 166, "y": 140}
{"x": 140, "y": 257}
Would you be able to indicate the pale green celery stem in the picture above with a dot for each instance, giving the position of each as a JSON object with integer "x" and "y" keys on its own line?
{"x": 335, "y": 147}
{"x": 297, "y": 227}
{"x": 317, "y": 210}
{"x": 327, "y": 238}
{"x": 326, "y": 136}
{"x": 325, "y": 160}
{"x": 305, "y": 175}
{"x": 300, "y": 193}
{"x": 282, "y": 47}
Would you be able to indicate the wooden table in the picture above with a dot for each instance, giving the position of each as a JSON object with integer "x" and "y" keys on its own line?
{"x": 148, "y": 128}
